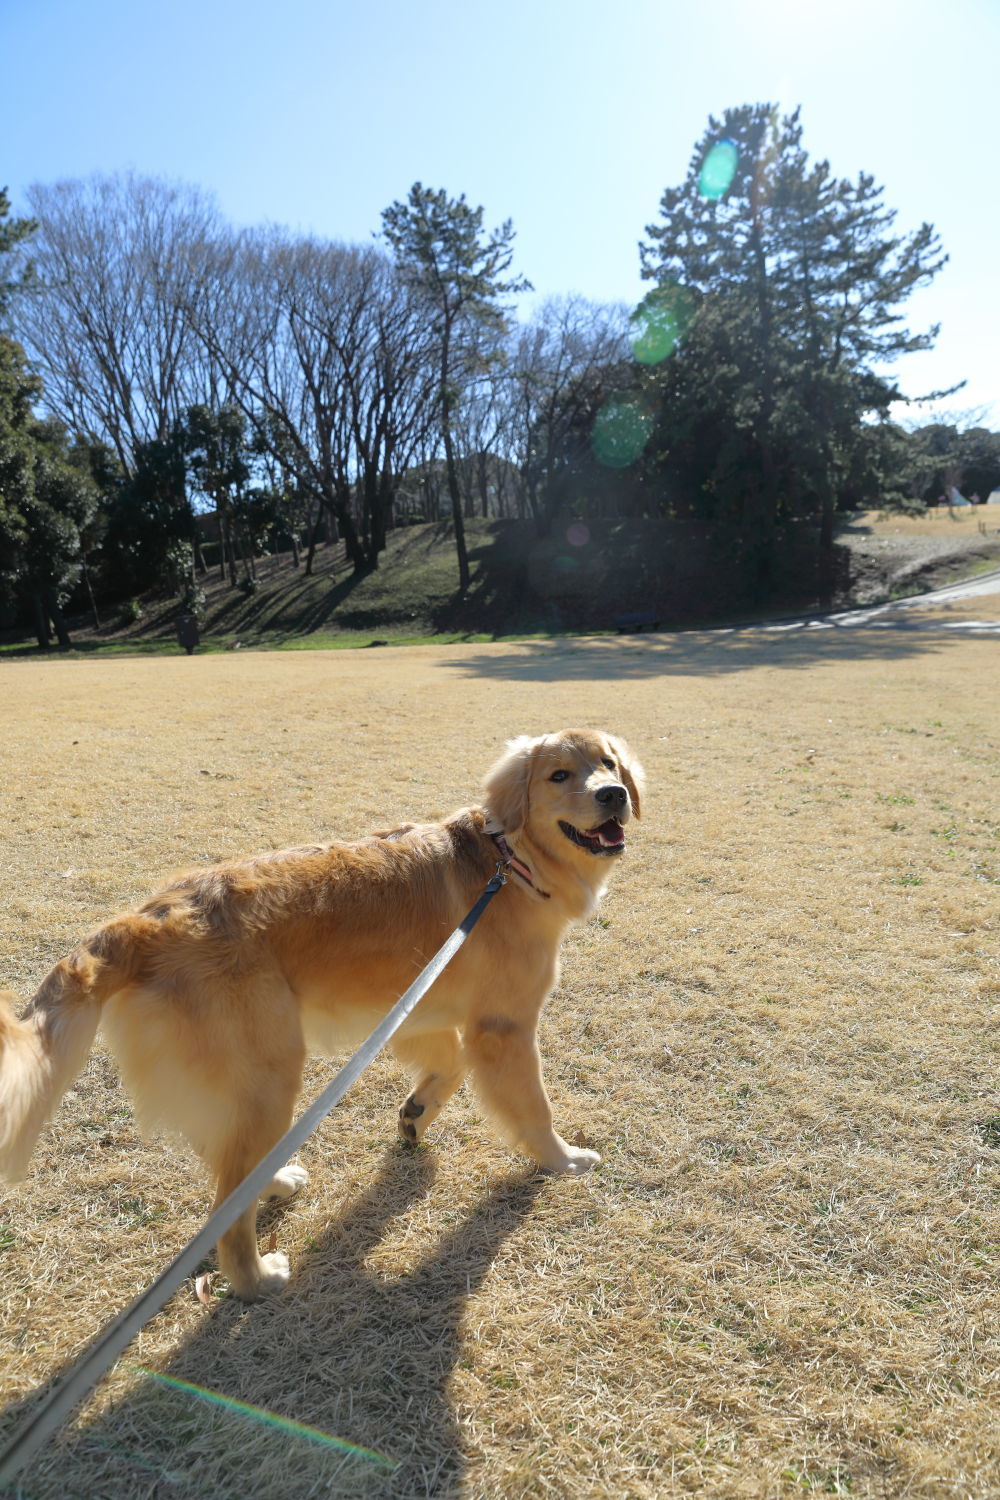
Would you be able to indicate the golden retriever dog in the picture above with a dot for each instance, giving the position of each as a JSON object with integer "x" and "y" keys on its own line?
{"x": 211, "y": 992}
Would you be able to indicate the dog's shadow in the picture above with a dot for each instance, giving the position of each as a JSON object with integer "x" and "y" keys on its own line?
{"x": 339, "y": 1386}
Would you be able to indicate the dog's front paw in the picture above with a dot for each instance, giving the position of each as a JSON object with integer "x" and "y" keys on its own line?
{"x": 577, "y": 1162}
{"x": 564, "y": 1160}
{"x": 286, "y": 1182}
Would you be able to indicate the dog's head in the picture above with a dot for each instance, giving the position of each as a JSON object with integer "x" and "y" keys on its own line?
{"x": 573, "y": 790}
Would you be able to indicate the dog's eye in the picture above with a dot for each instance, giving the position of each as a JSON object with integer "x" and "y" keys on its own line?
{"x": 609, "y": 763}
{"x": 559, "y": 776}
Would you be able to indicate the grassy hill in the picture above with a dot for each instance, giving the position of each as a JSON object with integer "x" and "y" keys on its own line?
{"x": 579, "y": 579}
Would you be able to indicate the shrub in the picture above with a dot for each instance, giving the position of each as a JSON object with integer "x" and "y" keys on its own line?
{"x": 193, "y": 601}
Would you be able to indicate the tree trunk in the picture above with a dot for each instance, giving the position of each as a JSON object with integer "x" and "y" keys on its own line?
{"x": 766, "y": 517}
{"x": 56, "y": 615}
{"x": 248, "y": 551}
{"x": 227, "y": 551}
{"x": 314, "y": 537}
{"x": 90, "y": 594}
{"x": 827, "y": 559}
{"x": 357, "y": 554}
{"x": 529, "y": 493}
{"x": 241, "y": 548}
{"x": 42, "y": 633}
{"x": 368, "y": 526}
{"x": 451, "y": 468}
{"x": 458, "y": 519}
{"x": 379, "y": 511}
{"x": 231, "y": 550}
{"x": 482, "y": 466}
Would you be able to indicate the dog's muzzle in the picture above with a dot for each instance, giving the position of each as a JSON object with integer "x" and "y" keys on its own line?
{"x": 608, "y": 837}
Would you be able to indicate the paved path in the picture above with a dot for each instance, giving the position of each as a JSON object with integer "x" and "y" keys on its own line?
{"x": 893, "y": 616}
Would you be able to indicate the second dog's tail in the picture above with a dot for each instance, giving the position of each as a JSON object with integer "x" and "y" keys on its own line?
{"x": 42, "y": 1053}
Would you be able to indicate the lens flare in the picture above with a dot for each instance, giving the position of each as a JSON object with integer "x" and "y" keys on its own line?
{"x": 578, "y": 535}
{"x": 659, "y": 322}
{"x": 718, "y": 169}
{"x": 621, "y": 431}
{"x": 270, "y": 1419}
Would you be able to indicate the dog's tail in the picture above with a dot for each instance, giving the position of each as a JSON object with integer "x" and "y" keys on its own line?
{"x": 42, "y": 1053}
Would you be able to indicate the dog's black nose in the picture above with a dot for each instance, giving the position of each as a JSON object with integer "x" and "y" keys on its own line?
{"x": 612, "y": 797}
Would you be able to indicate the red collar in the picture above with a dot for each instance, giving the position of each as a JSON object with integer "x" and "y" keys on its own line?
{"x": 513, "y": 863}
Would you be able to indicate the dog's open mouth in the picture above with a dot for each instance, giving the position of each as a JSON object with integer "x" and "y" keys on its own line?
{"x": 609, "y": 838}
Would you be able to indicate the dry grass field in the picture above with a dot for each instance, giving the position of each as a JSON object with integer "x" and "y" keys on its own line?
{"x": 780, "y": 1031}
{"x": 959, "y": 522}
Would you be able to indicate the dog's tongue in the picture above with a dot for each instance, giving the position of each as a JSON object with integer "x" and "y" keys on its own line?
{"x": 610, "y": 833}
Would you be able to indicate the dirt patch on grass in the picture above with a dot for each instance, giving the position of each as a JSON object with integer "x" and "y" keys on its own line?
{"x": 780, "y": 1030}
{"x": 894, "y": 555}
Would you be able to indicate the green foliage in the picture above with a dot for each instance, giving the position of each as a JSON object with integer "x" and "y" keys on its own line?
{"x": 924, "y": 465}
{"x": 215, "y": 443}
{"x": 977, "y": 455}
{"x": 48, "y": 495}
{"x": 795, "y": 278}
{"x": 937, "y": 457}
{"x": 193, "y": 600}
{"x": 148, "y": 515}
{"x": 439, "y": 244}
{"x": 13, "y": 233}
{"x": 18, "y": 390}
{"x": 796, "y": 256}
{"x": 63, "y": 503}
{"x": 47, "y": 501}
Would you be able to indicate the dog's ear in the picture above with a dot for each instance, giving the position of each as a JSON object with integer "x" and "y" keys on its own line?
{"x": 506, "y": 786}
{"x": 632, "y": 774}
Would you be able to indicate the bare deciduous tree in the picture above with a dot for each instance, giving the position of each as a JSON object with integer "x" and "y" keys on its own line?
{"x": 558, "y": 357}
{"x": 379, "y": 332}
{"x": 117, "y": 259}
{"x": 329, "y": 357}
{"x": 258, "y": 322}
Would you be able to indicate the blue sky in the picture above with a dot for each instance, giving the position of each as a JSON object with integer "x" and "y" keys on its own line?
{"x": 568, "y": 116}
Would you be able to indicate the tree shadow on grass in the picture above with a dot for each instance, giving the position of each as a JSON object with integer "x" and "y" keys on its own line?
{"x": 297, "y": 611}
{"x": 709, "y": 652}
{"x": 361, "y": 1359}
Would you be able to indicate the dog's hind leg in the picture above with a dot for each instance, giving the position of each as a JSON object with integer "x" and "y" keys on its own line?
{"x": 222, "y": 1065}
{"x": 248, "y": 1075}
{"x": 257, "y": 1121}
{"x": 437, "y": 1061}
{"x": 251, "y": 1275}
